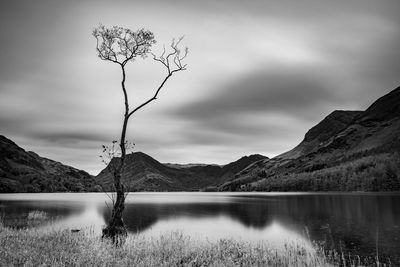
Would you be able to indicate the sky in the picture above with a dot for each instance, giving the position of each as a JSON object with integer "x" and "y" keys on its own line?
{"x": 260, "y": 74}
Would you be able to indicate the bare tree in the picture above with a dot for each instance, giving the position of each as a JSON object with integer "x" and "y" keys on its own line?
{"x": 120, "y": 46}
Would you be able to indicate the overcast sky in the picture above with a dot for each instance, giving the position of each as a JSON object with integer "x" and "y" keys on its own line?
{"x": 260, "y": 74}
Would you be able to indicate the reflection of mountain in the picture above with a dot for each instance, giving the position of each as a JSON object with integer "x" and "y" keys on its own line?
{"x": 14, "y": 213}
{"x": 352, "y": 219}
{"x": 261, "y": 211}
{"x": 87, "y": 218}
{"x": 346, "y": 151}
{"x": 348, "y": 220}
{"x": 139, "y": 217}
{"x": 222, "y": 227}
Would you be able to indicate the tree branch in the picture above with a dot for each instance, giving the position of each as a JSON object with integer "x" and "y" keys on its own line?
{"x": 120, "y": 45}
{"x": 153, "y": 98}
{"x": 177, "y": 60}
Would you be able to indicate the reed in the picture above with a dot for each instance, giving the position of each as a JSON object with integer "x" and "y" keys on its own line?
{"x": 34, "y": 247}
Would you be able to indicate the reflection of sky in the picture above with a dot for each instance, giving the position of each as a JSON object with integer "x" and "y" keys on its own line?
{"x": 222, "y": 227}
{"x": 89, "y": 218}
{"x": 350, "y": 220}
{"x": 145, "y": 197}
{"x": 179, "y": 198}
{"x": 207, "y": 219}
{"x": 65, "y": 197}
{"x": 199, "y": 197}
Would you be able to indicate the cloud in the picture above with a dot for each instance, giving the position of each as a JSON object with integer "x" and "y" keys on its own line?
{"x": 261, "y": 104}
{"x": 286, "y": 90}
{"x": 266, "y": 111}
{"x": 260, "y": 74}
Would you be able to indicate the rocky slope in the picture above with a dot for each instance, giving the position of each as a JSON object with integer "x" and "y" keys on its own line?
{"x": 143, "y": 173}
{"x": 348, "y": 150}
{"x": 22, "y": 171}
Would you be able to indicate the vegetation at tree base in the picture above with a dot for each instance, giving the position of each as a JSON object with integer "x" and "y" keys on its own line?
{"x": 33, "y": 247}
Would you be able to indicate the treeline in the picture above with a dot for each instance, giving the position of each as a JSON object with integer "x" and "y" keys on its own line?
{"x": 39, "y": 182}
{"x": 370, "y": 173}
{"x": 60, "y": 184}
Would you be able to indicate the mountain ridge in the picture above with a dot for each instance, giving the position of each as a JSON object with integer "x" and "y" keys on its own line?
{"x": 26, "y": 171}
{"x": 346, "y": 151}
{"x": 143, "y": 173}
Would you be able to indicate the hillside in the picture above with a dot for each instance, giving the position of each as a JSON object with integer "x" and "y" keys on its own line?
{"x": 143, "y": 173}
{"x": 22, "y": 171}
{"x": 346, "y": 151}
{"x": 25, "y": 171}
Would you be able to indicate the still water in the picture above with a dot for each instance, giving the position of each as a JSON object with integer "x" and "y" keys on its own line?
{"x": 359, "y": 223}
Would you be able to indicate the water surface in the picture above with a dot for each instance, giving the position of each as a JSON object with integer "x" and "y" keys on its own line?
{"x": 357, "y": 222}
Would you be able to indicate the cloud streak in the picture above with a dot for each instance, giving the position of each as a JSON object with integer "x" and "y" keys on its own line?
{"x": 260, "y": 74}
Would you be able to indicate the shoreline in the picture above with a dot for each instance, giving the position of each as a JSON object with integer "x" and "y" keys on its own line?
{"x": 31, "y": 247}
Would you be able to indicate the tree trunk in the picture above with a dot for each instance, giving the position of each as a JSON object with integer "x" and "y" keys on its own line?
{"x": 116, "y": 229}
{"x": 119, "y": 205}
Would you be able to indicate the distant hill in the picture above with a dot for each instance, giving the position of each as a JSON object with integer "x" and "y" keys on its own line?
{"x": 143, "y": 173}
{"x": 346, "y": 151}
{"x": 25, "y": 171}
{"x": 22, "y": 171}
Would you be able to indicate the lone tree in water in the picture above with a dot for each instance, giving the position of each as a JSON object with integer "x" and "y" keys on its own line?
{"x": 120, "y": 46}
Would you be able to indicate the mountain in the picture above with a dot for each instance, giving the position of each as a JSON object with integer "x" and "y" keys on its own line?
{"x": 320, "y": 134}
{"x": 25, "y": 171}
{"x": 143, "y": 173}
{"x": 346, "y": 151}
{"x": 22, "y": 171}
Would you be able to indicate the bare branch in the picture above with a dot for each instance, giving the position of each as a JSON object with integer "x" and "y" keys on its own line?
{"x": 178, "y": 66}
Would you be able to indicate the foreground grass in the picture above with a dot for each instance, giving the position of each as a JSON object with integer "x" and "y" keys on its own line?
{"x": 32, "y": 247}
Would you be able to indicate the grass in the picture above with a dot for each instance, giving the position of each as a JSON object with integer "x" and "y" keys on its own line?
{"x": 37, "y": 215}
{"x": 32, "y": 219}
{"x": 33, "y": 247}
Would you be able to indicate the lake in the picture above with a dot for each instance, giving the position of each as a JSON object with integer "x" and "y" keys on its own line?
{"x": 359, "y": 223}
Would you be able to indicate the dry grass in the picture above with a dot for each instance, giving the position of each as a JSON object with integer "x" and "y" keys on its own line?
{"x": 37, "y": 215}
{"x": 32, "y": 247}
